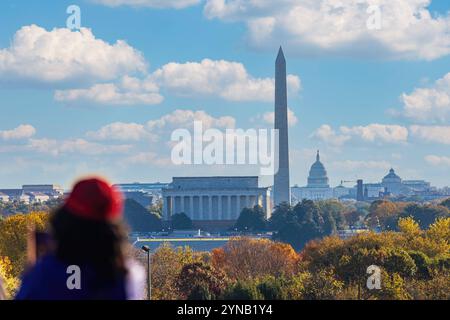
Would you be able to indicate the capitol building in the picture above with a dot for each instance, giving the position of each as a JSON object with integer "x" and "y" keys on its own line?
{"x": 318, "y": 187}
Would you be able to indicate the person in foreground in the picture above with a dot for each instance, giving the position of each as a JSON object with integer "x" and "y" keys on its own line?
{"x": 88, "y": 261}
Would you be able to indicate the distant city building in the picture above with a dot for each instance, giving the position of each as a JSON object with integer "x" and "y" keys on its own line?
{"x": 393, "y": 183}
{"x": 348, "y": 233}
{"x": 146, "y": 194}
{"x": 214, "y": 202}
{"x": 395, "y": 186}
{"x": 4, "y": 197}
{"x": 143, "y": 187}
{"x": 318, "y": 187}
{"x": 32, "y": 193}
{"x": 373, "y": 190}
{"x": 16, "y": 195}
{"x": 341, "y": 191}
{"x": 417, "y": 185}
{"x": 38, "y": 197}
{"x": 51, "y": 190}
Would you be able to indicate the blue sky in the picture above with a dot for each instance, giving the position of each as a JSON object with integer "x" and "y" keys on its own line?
{"x": 368, "y": 99}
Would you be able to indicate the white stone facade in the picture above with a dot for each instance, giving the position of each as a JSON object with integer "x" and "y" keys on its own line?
{"x": 214, "y": 198}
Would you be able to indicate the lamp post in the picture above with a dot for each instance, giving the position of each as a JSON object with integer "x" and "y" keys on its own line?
{"x": 149, "y": 272}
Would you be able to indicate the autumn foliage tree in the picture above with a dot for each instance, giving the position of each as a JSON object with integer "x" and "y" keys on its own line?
{"x": 244, "y": 258}
{"x": 200, "y": 281}
{"x": 13, "y": 237}
{"x": 167, "y": 263}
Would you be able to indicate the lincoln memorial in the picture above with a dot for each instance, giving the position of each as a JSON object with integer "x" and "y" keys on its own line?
{"x": 214, "y": 201}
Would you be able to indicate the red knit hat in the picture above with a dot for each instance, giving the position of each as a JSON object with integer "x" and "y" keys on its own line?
{"x": 95, "y": 199}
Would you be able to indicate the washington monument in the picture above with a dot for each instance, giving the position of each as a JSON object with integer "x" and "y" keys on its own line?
{"x": 281, "y": 189}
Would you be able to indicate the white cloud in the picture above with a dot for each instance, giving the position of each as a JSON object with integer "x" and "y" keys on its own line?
{"x": 408, "y": 29}
{"x": 130, "y": 91}
{"x": 374, "y": 133}
{"x": 175, "y": 4}
{"x": 378, "y": 132}
{"x": 437, "y": 134}
{"x": 61, "y": 55}
{"x": 153, "y": 130}
{"x": 437, "y": 160}
{"x": 23, "y": 131}
{"x": 269, "y": 117}
{"x": 208, "y": 78}
{"x": 120, "y": 131}
{"x": 226, "y": 79}
{"x": 77, "y": 146}
{"x": 326, "y": 134}
{"x": 184, "y": 119}
{"x": 429, "y": 104}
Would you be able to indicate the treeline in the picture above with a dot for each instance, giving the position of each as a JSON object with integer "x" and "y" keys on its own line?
{"x": 309, "y": 220}
{"x": 16, "y": 207}
{"x": 414, "y": 264}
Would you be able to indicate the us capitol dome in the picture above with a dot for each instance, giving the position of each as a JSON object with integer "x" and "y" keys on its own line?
{"x": 318, "y": 187}
{"x": 318, "y": 177}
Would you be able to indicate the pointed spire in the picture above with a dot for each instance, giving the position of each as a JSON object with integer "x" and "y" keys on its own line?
{"x": 280, "y": 56}
{"x": 318, "y": 156}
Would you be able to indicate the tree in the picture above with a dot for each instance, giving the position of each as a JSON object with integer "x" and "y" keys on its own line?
{"x": 167, "y": 264}
{"x": 380, "y": 211}
{"x": 291, "y": 232}
{"x": 334, "y": 209}
{"x": 425, "y": 215}
{"x": 244, "y": 258}
{"x": 140, "y": 219}
{"x": 14, "y": 232}
{"x": 304, "y": 223}
{"x": 181, "y": 221}
{"x": 10, "y": 281}
{"x": 251, "y": 219}
{"x": 242, "y": 290}
{"x": 409, "y": 227}
{"x": 440, "y": 230}
{"x": 272, "y": 288}
{"x": 157, "y": 208}
{"x": 199, "y": 281}
{"x": 19, "y": 207}
{"x": 446, "y": 203}
{"x": 280, "y": 216}
{"x": 321, "y": 285}
{"x": 422, "y": 262}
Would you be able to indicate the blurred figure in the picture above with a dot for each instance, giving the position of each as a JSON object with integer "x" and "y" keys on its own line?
{"x": 89, "y": 260}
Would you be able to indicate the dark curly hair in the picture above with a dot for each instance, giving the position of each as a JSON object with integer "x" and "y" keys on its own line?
{"x": 100, "y": 245}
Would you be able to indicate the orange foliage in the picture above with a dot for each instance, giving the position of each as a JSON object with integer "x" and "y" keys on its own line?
{"x": 244, "y": 258}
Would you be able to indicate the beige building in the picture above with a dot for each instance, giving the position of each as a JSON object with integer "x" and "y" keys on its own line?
{"x": 214, "y": 201}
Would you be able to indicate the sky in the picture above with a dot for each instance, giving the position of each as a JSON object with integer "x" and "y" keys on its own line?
{"x": 368, "y": 85}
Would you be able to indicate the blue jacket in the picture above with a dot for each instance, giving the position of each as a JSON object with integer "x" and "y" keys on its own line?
{"x": 47, "y": 280}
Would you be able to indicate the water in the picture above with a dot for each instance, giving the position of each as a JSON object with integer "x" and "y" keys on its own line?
{"x": 196, "y": 245}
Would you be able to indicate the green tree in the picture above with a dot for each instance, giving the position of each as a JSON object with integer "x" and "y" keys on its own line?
{"x": 280, "y": 216}
{"x": 272, "y": 288}
{"x": 425, "y": 215}
{"x": 334, "y": 209}
{"x": 305, "y": 222}
{"x": 242, "y": 290}
{"x": 446, "y": 203}
{"x": 251, "y": 219}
